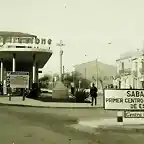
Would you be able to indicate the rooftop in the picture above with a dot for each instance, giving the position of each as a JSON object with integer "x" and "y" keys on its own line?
{"x": 130, "y": 54}
{"x": 15, "y": 34}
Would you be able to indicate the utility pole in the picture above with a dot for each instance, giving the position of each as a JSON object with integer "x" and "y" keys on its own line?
{"x": 97, "y": 72}
{"x": 61, "y": 53}
{"x": 85, "y": 73}
{"x": 73, "y": 75}
{"x": 85, "y": 70}
{"x": 63, "y": 74}
{"x": 63, "y": 70}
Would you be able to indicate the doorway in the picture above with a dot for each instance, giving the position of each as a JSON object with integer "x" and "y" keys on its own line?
{"x": 142, "y": 83}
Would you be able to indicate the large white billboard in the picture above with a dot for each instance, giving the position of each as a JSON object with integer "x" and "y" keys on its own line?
{"x": 124, "y": 99}
{"x": 19, "y": 79}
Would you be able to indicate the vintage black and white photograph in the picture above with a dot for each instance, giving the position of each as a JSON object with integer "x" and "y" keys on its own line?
{"x": 72, "y": 72}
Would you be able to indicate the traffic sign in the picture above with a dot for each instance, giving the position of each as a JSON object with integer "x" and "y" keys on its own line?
{"x": 124, "y": 99}
{"x": 134, "y": 114}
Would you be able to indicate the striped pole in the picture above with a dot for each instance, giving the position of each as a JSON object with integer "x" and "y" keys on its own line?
{"x": 119, "y": 116}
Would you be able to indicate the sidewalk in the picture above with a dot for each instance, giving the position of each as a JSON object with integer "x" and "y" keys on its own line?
{"x": 111, "y": 124}
{"x": 17, "y": 101}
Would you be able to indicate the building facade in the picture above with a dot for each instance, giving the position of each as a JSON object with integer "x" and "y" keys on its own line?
{"x": 130, "y": 70}
{"x": 23, "y": 52}
{"x": 94, "y": 70}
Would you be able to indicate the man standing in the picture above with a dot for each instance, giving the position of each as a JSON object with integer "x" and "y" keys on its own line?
{"x": 93, "y": 93}
{"x": 72, "y": 90}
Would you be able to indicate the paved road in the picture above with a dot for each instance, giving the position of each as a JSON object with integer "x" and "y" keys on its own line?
{"x": 23, "y": 125}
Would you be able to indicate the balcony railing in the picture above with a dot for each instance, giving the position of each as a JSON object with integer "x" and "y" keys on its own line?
{"x": 125, "y": 71}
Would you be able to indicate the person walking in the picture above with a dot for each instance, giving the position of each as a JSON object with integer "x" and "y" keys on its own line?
{"x": 93, "y": 93}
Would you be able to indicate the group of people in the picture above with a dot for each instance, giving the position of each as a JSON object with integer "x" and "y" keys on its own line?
{"x": 93, "y": 93}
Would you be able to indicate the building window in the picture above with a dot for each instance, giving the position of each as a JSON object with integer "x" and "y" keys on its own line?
{"x": 15, "y": 40}
{"x": 122, "y": 64}
{"x": 1, "y": 40}
{"x": 9, "y": 40}
{"x": 136, "y": 68}
{"x": 142, "y": 66}
{"x": 121, "y": 70}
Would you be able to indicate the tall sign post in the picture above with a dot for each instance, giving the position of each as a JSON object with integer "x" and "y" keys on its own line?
{"x": 131, "y": 101}
{"x": 19, "y": 80}
{"x": 61, "y": 54}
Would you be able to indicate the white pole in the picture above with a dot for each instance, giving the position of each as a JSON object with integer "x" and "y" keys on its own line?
{"x": 14, "y": 63}
{"x": 34, "y": 69}
{"x": 119, "y": 116}
{"x": 2, "y": 70}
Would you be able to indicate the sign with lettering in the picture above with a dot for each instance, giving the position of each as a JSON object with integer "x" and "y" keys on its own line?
{"x": 26, "y": 40}
{"x": 123, "y": 99}
{"x": 134, "y": 114}
{"x": 19, "y": 79}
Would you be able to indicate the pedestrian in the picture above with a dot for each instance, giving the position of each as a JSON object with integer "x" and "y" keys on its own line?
{"x": 93, "y": 93}
{"x": 72, "y": 90}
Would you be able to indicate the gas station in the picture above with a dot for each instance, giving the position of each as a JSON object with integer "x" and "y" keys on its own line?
{"x": 19, "y": 53}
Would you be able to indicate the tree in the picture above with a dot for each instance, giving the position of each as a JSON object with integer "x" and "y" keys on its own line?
{"x": 100, "y": 79}
{"x": 67, "y": 79}
{"x": 44, "y": 81}
{"x": 45, "y": 78}
{"x": 75, "y": 77}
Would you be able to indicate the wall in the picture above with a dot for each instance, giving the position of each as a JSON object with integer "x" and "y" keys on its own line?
{"x": 124, "y": 64}
{"x": 134, "y": 66}
{"x": 91, "y": 68}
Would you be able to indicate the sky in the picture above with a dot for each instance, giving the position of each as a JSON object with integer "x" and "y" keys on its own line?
{"x": 85, "y": 26}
